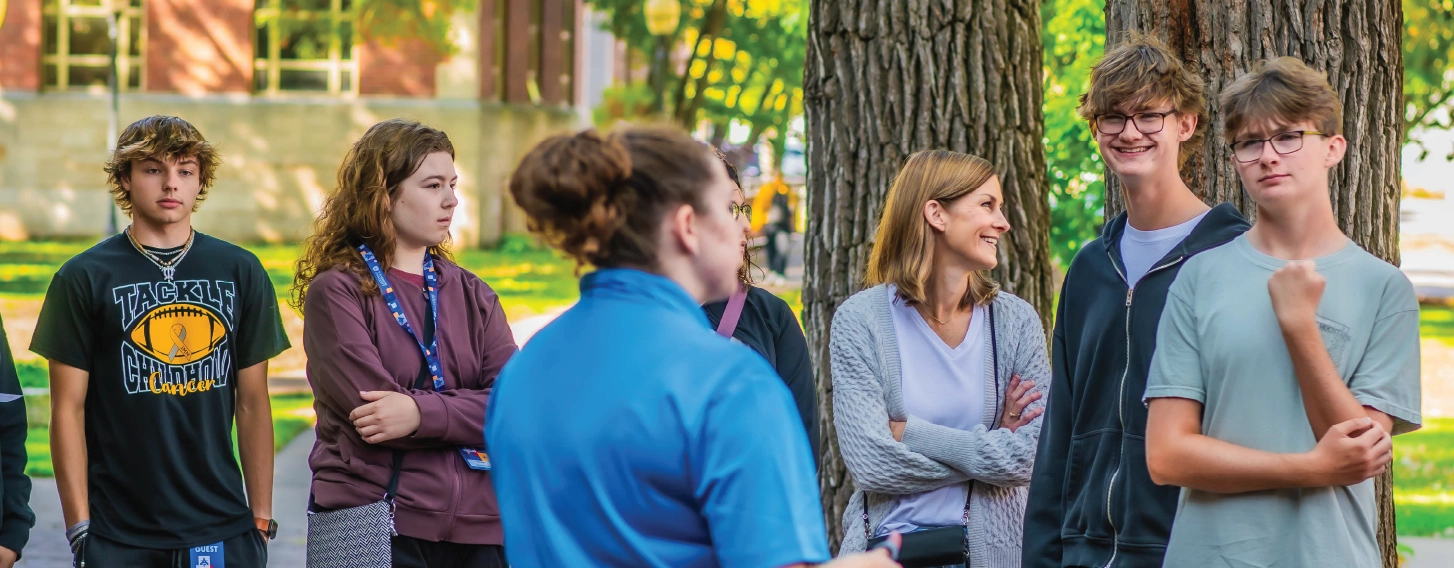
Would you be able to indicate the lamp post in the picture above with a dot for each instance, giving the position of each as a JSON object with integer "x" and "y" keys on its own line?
{"x": 113, "y": 123}
{"x": 661, "y": 20}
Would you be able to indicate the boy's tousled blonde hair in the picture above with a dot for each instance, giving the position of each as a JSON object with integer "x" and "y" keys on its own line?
{"x": 1142, "y": 72}
{"x": 1281, "y": 92}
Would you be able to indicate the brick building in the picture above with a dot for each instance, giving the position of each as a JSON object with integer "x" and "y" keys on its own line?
{"x": 282, "y": 87}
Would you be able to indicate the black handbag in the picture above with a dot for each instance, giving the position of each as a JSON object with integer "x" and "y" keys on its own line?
{"x": 941, "y": 546}
{"x": 931, "y": 548}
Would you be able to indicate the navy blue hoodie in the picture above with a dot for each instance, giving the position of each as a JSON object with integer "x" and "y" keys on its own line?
{"x": 1092, "y": 502}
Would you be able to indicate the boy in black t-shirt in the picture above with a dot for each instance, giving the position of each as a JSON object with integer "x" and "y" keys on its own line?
{"x": 155, "y": 337}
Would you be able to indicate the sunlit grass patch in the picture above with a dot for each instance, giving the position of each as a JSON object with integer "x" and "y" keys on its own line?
{"x": 1423, "y": 479}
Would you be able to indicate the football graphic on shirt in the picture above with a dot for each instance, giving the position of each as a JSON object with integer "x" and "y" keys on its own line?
{"x": 178, "y": 334}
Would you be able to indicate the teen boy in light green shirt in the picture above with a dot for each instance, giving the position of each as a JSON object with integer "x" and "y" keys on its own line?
{"x": 1286, "y": 358}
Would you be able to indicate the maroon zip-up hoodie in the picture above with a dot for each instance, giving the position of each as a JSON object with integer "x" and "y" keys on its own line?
{"x": 354, "y": 344}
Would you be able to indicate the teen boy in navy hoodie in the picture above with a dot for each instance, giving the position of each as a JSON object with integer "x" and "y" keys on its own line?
{"x": 1092, "y": 502}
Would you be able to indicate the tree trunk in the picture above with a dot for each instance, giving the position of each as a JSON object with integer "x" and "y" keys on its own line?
{"x": 1357, "y": 42}
{"x": 884, "y": 79}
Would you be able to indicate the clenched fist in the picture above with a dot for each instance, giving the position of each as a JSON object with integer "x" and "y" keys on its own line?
{"x": 1352, "y": 452}
{"x": 1296, "y": 290}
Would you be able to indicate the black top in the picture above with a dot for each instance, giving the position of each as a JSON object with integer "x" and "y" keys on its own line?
{"x": 16, "y": 518}
{"x": 1091, "y": 496}
{"x": 163, "y": 360}
{"x": 769, "y": 327}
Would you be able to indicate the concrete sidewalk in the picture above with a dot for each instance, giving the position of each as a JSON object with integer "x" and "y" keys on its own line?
{"x": 48, "y": 548}
{"x": 1430, "y": 552}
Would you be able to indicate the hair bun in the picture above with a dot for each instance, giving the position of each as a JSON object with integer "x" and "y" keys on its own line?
{"x": 571, "y": 188}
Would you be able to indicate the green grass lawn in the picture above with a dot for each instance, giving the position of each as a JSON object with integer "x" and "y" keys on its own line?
{"x": 529, "y": 279}
{"x": 1423, "y": 479}
{"x": 1437, "y": 322}
{"x": 292, "y": 414}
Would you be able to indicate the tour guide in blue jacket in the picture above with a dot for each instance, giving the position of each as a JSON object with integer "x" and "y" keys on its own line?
{"x": 628, "y": 433}
{"x": 1092, "y": 502}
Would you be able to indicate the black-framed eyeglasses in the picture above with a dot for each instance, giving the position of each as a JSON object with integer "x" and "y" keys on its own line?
{"x": 740, "y": 209}
{"x": 1146, "y": 122}
{"x": 1248, "y": 151}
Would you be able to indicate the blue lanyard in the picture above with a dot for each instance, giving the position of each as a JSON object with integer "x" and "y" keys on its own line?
{"x": 475, "y": 458}
{"x": 431, "y": 288}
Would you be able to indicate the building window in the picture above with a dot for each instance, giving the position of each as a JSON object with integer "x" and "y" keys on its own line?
{"x": 76, "y": 43}
{"x": 305, "y": 45}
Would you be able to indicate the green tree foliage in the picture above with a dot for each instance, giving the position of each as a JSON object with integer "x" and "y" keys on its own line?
{"x": 1428, "y": 83}
{"x": 1074, "y": 37}
{"x": 741, "y": 61}
{"x": 391, "y": 21}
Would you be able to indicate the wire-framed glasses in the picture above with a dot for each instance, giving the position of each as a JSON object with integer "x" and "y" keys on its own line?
{"x": 1248, "y": 151}
{"x": 740, "y": 209}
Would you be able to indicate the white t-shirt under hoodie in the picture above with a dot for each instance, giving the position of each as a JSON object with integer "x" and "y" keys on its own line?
{"x": 1141, "y": 249}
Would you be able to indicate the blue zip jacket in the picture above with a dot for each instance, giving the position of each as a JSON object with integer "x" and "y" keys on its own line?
{"x": 1092, "y": 501}
{"x": 628, "y": 433}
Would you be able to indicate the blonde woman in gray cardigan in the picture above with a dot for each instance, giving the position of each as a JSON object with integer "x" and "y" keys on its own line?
{"x": 937, "y": 374}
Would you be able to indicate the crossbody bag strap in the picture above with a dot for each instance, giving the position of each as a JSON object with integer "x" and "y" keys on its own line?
{"x": 733, "y": 313}
{"x": 995, "y": 366}
{"x": 995, "y": 380}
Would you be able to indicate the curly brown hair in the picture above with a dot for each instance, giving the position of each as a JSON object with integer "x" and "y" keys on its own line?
{"x": 160, "y": 138}
{"x": 358, "y": 210}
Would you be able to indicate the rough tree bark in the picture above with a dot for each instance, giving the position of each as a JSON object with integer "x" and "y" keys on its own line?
{"x": 1357, "y": 42}
{"x": 886, "y": 78}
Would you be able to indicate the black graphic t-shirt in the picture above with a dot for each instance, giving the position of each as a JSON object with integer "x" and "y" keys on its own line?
{"x": 163, "y": 360}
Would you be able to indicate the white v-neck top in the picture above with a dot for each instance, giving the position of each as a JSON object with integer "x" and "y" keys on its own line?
{"x": 944, "y": 386}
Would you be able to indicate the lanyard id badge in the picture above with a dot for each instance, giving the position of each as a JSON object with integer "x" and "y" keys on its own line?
{"x": 475, "y": 458}
{"x": 207, "y": 556}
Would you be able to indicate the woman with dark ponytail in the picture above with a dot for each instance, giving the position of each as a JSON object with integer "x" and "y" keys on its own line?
{"x": 627, "y": 432}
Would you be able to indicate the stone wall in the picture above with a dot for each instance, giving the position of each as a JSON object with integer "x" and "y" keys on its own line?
{"x": 280, "y": 156}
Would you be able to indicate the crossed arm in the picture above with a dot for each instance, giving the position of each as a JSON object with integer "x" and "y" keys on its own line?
{"x": 1177, "y": 453}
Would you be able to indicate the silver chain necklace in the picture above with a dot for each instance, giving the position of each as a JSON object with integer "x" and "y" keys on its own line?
{"x": 169, "y": 269}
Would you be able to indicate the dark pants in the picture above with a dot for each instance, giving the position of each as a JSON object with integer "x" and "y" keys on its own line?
{"x": 247, "y": 550}
{"x": 777, "y": 246}
{"x": 410, "y": 552}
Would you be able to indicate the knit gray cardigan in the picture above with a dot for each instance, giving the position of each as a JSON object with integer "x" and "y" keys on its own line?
{"x": 867, "y": 393}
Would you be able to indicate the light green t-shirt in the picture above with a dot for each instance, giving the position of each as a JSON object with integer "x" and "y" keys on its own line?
{"x": 1219, "y": 344}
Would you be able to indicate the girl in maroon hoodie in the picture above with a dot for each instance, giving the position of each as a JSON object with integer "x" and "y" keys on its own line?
{"x": 378, "y": 290}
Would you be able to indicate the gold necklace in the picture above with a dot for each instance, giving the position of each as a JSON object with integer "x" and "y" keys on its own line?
{"x": 925, "y": 311}
{"x": 169, "y": 268}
